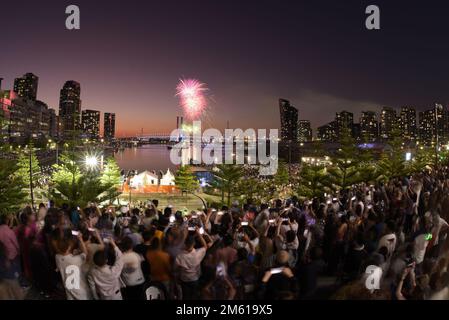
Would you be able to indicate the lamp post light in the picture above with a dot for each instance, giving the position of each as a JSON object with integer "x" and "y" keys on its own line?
{"x": 31, "y": 177}
{"x": 91, "y": 162}
{"x": 55, "y": 145}
{"x": 128, "y": 179}
{"x": 437, "y": 138}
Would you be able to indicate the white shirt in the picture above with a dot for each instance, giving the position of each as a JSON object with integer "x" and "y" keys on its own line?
{"x": 419, "y": 248}
{"x": 283, "y": 245}
{"x": 261, "y": 220}
{"x": 74, "y": 290}
{"x": 41, "y": 218}
{"x": 104, "y": 282}
{"x": 437, "y": 228}
{"x": 362, "y": 205}
{"x": 132, "y": 272}
{"x": 388, "y": 241}
{"x": 286, "y": 227}
{"x": 189, "y": 264}
{"x": 244, "y": 244}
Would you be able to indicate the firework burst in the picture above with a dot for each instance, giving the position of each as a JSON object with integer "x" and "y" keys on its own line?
{"x": 192, "y": 97}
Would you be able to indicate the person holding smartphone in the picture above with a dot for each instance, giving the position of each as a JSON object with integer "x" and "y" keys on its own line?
{"x": 160, "y": 264}
{"x": 188, "y": 265}
{"x": 409, "y": 272}
{"x": 67, "y": 263}
{"x": 132, "y": 275}
{"x": 287, "y": 241}
{"x": 227, "y": 253}
{"x": 104, "y": 278}
{"x": 247, "y": 237}
{"x": 279, "y": 281}
{"x": 93, "y": 242}
{"x": 217, "y": 285}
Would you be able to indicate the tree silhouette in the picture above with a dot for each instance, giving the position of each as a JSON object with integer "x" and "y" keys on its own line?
{"x": 30, "y": 179}
{"x": 314, "y": 181}
{"x": 392, "y": 163}
{"x": 226, "y": 177}
{"x": 344, "y": 170}
{"x": 111, "y": 178}
{"x": 12, "y": 195}
{"x": 185, "y": 180}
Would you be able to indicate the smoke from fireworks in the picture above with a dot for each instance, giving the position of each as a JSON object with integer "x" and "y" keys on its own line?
{"x": 192, "y": 97}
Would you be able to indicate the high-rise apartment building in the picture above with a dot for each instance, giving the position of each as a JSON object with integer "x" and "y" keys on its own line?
{"x": 109, "y": 126}
{"x": 289, "y": 121}
{"x": 26, "y": 86}
{"x": 90, "y": 121}
{"x": 70, "y": 107}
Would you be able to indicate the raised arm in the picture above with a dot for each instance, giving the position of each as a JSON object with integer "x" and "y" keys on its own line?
{"x": 255, "y": 231}
{"x": 202, "y": 241}
{"x": 250, "y": 244}
{"x": 118, "y": 265}
{"x": 279, "y": 224}
{"x": 82, "y": 244}
{"x": 100, "y": 241}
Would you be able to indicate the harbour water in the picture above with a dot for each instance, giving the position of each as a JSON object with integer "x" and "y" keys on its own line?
{"x": 157, "y": 157}
{"x": 148, "y": 157}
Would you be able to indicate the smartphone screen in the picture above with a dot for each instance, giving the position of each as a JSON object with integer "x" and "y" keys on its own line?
{"x": 221, "y": 270}
{"x": 75, "y": 233}
{"x": 244, "y": 223}
{"x": 276, "y": 270}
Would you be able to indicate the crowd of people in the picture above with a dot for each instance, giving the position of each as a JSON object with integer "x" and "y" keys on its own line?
{"x": 279, "y": 250}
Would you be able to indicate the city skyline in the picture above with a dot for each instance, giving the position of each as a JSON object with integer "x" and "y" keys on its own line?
{"x": 212, "y": 150}
{"x": 414, "y": 125}
{"x": 26, "y": 117}
{"x": 319, "y": 56}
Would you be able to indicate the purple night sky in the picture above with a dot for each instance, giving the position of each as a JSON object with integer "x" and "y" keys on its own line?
{"x": 129, "y": 55}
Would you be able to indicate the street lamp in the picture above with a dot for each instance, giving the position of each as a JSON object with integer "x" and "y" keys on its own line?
{"x": 31, "y": 176}
{"x": 55, "y": 145}
{"x": 91, "y": 162}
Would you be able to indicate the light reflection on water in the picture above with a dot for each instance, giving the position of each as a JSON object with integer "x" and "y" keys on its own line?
{"x": 156, "y": 157}
{"x": 150, "y": 157}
